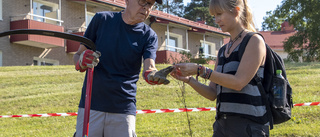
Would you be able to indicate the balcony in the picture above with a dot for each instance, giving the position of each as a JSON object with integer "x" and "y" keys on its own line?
{"x": 170, "y": 57}
{"x": 36, "y": 40}
{"x": 73, "y": 46}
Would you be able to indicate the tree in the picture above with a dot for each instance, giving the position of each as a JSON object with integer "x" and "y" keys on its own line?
{"x": 175, "y": 7}
{"x": 271, "y": 22}
{"x": 199, "y": 10}
{"x": 304, "y": 15}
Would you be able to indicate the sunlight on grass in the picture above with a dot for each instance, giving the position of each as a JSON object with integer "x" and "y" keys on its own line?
{"x": 57, "y": 89}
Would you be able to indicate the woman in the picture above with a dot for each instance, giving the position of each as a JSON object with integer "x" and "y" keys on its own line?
{"x": 240, "y": 112}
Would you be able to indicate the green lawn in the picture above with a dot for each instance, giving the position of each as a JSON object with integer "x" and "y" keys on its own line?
{"x": 56, "y": 89}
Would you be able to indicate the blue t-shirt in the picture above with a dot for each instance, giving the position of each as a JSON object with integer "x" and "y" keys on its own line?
{"x": 122, "y": 47}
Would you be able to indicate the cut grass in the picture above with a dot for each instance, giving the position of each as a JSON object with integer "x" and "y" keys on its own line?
{"x": 57, "y": 89}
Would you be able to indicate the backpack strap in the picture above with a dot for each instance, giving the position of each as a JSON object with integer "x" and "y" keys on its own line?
{"x": 244, "y": 44}
{"x": 257, "y": 79}
{"x": 264, "y": 99}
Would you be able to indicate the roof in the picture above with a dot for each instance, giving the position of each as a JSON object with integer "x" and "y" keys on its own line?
{"x": 169, "y": 17}
{"x": 274, "y": 39}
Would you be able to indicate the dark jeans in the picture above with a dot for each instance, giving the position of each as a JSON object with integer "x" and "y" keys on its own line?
{"x": 235, "y": 126}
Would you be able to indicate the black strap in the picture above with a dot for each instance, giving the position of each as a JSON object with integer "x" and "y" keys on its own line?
{"x": 244, "y": 43}
{"x": 63, "y": 35}
{"x": 264, "y": 96}
{"x": 264, "y": 99}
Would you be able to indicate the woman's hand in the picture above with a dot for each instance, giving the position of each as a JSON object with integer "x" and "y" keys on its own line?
{"x": 187, "y": 69}
{"x": 176, "y": 73}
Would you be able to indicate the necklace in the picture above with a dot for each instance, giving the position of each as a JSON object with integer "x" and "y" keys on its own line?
{"x": 232, "y": 41}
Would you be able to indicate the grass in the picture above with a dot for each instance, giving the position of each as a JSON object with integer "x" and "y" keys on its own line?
{"x": 56, "y": 89}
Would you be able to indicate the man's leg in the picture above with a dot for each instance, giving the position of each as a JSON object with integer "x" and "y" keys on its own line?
{"x": 119, "y": 125}
{"x": 96, "y": 123}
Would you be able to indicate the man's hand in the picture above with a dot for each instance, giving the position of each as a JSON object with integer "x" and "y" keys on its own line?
{"x": 88, "y": 59}
{"x": 158, "y": 77}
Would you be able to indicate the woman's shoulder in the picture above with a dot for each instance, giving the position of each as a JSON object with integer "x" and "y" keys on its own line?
{"x": 257, "y": 37}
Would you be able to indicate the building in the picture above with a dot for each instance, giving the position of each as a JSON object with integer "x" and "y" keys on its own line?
{"x": 72, "y": 16}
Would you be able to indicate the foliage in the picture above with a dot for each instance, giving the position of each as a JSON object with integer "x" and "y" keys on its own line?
{"x": 175, "y": 7}
{"x": 56, "y": 89}
{"x": 271, "y": 22}
{"x": 304, "y": 15}
{"x": 199, "y": 10}
{"x": 196, "y": 10}
{"x": 187, "y": 57}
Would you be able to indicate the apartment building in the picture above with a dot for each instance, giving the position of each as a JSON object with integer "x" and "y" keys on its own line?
{"x": 175, "y": 34}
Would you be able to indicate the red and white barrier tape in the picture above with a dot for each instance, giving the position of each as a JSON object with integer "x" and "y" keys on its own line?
{"x": 175, "y": 110}
{"x": 141, "y": 111}
{"x": 40, "y": 115}
{"x": 308, "y": 104}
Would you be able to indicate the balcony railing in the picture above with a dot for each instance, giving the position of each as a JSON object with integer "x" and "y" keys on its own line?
{"x": 168, "y": 47}
{"x": 209, "y": 55}
{"x": 31, "y": 17}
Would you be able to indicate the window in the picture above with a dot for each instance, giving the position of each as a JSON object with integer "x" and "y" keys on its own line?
{"x": 174, "y": 43}
{"x": 0, "y": 9}
{"x": 89, "y": 18}
{"x": 208, "y": 49}
{"x": 45, "y": 9}
{"x": 44, "y": 62}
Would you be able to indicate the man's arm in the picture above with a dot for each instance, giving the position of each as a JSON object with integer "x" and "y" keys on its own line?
{"x": 152, "y": 75}
{"x": 148, "y": 65}
{"x": 76, "y": 56}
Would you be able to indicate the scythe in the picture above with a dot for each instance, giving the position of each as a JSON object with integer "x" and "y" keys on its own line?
{"x": 73, "y": 37}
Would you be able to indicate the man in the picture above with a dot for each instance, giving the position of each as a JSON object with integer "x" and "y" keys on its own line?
{"x": 122, "y": 40}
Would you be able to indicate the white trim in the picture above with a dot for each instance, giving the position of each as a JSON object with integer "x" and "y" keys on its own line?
{"x": 187, "y": 40}
{"x": 168, "y": 36}
{"x": 31, "y": 5}
{"x": 48, "y": 18}
{"x": 1, "y": 10}
{"x": 87, "y": 15}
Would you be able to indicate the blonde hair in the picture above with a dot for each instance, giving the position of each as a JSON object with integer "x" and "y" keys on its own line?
{"x": 246, "y": 17}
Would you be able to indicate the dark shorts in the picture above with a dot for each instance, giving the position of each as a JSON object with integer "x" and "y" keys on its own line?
{"x": 235, "y": 126}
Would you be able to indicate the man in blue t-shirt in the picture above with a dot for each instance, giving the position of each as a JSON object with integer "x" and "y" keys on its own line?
{"x": 123, "y": 41}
